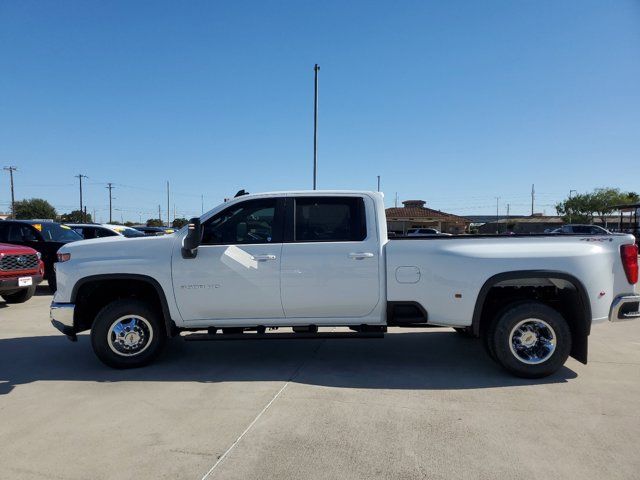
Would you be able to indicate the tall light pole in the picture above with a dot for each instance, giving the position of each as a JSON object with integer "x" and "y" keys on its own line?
{"x": 80, "y": 177}
{"x": 12, "y": 169}
{"x": 316, "y": 69}
{"x": 378, "y": 182}
{"x": 497, "y": 224}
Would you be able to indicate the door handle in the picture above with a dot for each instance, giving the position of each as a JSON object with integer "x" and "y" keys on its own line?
{"x": 262, "y": 258}
{"x": 360, "y": 255}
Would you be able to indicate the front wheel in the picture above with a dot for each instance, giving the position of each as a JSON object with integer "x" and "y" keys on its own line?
{"x": 530, "y": 340}
{"x": 20, "y": 296}
{"x": 127, "y": 333}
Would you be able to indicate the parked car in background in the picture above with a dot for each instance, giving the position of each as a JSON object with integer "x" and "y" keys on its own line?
{"x": 44, "y": 237}
{"x": 21, "y": 270}
{"x": 97, "y": 230}
{"x": 154, "y": 231}
{"x": 425, "y": 232}
{"x": 582, "y": 230}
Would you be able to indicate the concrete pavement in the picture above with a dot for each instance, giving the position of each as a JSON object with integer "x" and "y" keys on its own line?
{"x": 417, "y": 404}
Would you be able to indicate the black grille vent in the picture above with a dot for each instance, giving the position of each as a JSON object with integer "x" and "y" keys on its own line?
{"x": 10, "y": 263}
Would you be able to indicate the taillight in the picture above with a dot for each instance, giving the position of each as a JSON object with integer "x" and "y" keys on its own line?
{"x": 629, "y": 256}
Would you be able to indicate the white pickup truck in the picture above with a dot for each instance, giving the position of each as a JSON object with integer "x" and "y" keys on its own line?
{"x": 317, "y": 259}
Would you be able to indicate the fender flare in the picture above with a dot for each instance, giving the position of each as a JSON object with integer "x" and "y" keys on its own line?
{"x": 169, "y": 323}
{"x": 580, "y": 329}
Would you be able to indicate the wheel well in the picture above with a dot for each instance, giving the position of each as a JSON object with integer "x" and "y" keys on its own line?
{"x": 559, "y": 291}
{"x": 93, "y": 295}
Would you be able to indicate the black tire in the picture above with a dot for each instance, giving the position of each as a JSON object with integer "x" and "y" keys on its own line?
{"x": 464, "y": 331}
{"x": 544, "y": 360}
{"x": 20, "y": 296}
{"x": 105, "y": 343}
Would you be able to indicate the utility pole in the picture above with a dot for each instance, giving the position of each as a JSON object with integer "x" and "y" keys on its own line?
{"x": 378, "y": 182}
{"x": 80, "y": 177}
{"x": 507, "y": 224}
{"x": 396, "y": 202}
{"x": 201, "y": 204}
{"x": 13, "y": 198}
{"x": 569, "y": 209}
{"x": 110, "y": 187}
{"x": 159, "y": 214}
{"x": 533, "y": 196}
{"x": 168, "y": 214}
{"x": 497, "y": 224}
{"x": 316, "y": 69}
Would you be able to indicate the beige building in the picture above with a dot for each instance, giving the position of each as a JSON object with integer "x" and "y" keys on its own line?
{"x": 415, "y": 215}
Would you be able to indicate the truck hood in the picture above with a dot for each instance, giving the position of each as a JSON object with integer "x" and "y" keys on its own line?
{"x": 116, "y": 247}
{"x": 7, "y": 249}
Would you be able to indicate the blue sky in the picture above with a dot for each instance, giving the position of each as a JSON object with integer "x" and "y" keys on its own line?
{"x": 453, "y": 102}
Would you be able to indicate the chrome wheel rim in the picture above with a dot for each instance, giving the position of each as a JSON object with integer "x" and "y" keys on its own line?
{"x": 532, "y": 341}
{"x": 130, "y": 335}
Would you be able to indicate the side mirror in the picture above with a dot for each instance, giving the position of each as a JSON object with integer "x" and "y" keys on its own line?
{"x": 192, "y": 241}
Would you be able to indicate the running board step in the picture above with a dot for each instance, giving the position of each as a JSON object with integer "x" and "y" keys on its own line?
{"x": 201, "y": 337}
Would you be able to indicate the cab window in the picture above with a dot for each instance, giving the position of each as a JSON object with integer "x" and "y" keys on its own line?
{"x": 329, "y": 219}
{"x": 250, "y": 222}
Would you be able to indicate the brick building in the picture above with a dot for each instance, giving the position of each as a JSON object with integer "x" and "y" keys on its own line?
{"x": 415, "y": 215}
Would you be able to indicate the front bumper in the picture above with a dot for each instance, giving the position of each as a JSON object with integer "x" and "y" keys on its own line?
{"x": 11, "y": 283}
{"x": 61, "y": 315}
{"x": 625, "y": 307}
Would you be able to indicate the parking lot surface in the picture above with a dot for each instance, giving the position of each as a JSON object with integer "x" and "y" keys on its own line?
{"x": 417, "y": 404}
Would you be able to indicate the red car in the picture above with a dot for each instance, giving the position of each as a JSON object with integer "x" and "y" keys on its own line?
{"x": 21, "y": 270}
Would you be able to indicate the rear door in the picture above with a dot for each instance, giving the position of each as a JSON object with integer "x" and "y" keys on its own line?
{"x": 330, "y": 258}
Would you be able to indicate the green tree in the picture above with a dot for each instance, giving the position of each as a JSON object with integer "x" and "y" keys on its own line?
{"x": 35, "y": 208}
{"x": 75, "y": 216}
{"x": 155, "y": 222}
{"x": 179, "y": 222}
{"x": 584, "y": 207}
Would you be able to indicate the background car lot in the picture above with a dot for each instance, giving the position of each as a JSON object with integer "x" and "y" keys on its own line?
{"x": 411, "y": 406}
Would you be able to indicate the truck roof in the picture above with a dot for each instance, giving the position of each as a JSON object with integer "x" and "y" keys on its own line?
{"x": 289, "y": 193}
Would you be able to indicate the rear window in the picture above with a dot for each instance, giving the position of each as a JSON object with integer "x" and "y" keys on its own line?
{"x": 320, "y": 219}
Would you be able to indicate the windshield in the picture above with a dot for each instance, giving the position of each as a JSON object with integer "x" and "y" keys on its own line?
{"x": 125, "y": 231}
{"x": 54, "y": 232}
{"x": 131, "y": 232}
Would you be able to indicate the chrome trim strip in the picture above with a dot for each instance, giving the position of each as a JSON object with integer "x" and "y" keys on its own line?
{"x": 618, "y": 303}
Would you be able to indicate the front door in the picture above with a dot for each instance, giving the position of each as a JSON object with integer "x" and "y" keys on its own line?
{"x": 236, "y": 274}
